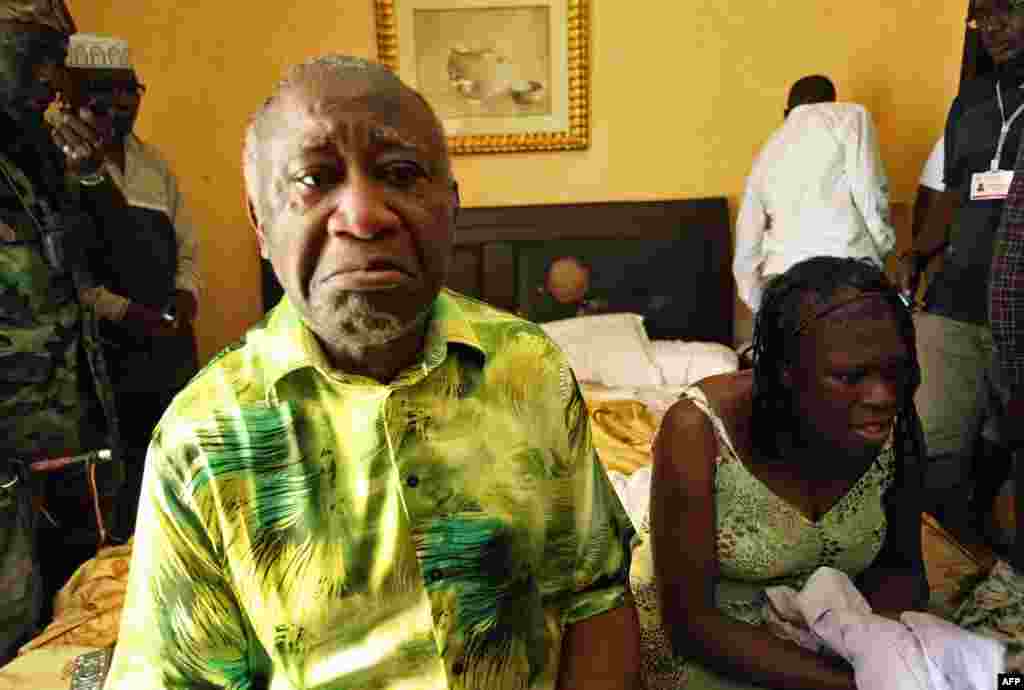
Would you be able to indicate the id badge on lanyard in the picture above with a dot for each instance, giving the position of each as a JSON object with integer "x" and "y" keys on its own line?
{"x": 995, "y": 183}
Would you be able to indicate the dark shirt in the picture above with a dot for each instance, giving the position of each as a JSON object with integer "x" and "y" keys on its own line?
{"x": 137, "y": 257}
{"x": 960, "y": 289}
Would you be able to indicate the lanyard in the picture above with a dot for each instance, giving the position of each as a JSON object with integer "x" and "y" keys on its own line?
{"x": 1006, "y": 126}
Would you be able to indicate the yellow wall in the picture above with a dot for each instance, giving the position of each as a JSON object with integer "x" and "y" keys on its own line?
{"x": 683, "y": 95}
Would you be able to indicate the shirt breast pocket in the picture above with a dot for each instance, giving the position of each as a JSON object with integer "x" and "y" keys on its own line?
{"x": 486, "y": 600}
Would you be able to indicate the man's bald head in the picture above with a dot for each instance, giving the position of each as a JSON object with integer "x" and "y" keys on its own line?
{"x": 375, "y": 87}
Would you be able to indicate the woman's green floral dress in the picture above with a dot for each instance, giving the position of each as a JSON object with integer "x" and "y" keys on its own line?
{"x": 762, "y": 541}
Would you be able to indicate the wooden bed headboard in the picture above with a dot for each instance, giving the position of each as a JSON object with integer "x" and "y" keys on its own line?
{"x": 668, "y": 260}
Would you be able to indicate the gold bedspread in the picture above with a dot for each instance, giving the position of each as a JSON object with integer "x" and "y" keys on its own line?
{"x": 623, "y": 432}
{"x": 87, "y": 610}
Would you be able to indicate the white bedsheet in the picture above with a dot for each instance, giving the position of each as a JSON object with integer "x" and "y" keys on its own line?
{"x": 685, "y": 362}
{"x": 682, "y": 363}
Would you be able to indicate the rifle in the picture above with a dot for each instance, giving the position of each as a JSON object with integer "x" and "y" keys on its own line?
{"x": 90, "y": 459}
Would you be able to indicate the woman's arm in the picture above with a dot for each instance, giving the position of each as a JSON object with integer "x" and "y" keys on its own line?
{"x": 685, "y": 562}
{"x": 602, "y": 652}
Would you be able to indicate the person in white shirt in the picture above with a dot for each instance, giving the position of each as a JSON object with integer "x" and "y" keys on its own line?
{"x": 817, "y": 188}
{"x": 931, "y": 174}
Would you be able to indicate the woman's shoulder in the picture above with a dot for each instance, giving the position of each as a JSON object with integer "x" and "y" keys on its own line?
{"x": 721, "y": 402}
{"x": 730, "y": 389}
{"x": 727, "y": 396}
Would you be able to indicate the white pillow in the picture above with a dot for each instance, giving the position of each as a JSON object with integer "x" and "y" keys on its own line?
{"x": 683, "y": 363}
{"x": 611, "y": 349}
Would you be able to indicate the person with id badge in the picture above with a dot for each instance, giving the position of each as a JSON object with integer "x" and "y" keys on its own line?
{"x": 962, "y": 394}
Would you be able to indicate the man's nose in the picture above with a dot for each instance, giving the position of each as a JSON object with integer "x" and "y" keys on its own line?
{"x": 361, "y": 209}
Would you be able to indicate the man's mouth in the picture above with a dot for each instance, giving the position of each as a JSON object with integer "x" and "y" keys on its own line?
{"x": 370, "y": 275}
{"x": 382, "y": 265}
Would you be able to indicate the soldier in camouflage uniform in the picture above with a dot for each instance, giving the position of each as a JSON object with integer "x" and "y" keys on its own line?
{"x": 50, "y": 400}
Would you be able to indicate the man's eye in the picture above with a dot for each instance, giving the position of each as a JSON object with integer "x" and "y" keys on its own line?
{"x": 402, "y": 174}
{"x": 316, "y": 179}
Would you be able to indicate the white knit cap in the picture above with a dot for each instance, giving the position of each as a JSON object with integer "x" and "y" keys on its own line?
{"x": 92, "y": 51}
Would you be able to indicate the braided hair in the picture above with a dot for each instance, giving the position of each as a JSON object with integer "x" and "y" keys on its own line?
{"x": 777, "y": 331}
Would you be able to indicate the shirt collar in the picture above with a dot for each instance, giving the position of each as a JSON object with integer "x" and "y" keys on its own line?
{"x": 132, "y": 149}
{"x": 289, "y": 345}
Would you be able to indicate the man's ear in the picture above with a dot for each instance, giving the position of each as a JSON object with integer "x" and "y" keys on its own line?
{"x": 254, "y": 221}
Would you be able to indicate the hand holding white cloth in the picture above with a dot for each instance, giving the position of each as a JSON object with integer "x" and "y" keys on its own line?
{"x": 918, "y": 652}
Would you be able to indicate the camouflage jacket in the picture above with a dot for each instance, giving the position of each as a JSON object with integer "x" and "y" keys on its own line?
{"x": 53, "y": 392}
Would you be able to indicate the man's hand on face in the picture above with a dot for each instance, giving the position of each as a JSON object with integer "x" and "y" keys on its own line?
{"x": 76, "y": 136}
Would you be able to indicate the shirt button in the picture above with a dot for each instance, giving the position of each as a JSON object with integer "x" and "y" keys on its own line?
{"x": 412, "y": 481}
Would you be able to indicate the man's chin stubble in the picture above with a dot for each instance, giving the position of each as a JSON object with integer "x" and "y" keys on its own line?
{"x": 357, "y": 325}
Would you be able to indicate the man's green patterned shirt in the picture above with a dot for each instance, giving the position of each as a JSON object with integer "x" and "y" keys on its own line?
{"x": 302, "y": 528}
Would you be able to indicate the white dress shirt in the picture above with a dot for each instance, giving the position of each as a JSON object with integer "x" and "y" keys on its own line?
{"x": 148, "y": 182}
{"x": 934, "y": 168}
{"x": 817, "y": 188}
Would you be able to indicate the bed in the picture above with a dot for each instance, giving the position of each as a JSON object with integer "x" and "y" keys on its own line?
{"x": 640, "y": 297}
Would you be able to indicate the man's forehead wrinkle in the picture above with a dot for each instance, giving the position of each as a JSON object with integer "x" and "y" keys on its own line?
{"x": 317, "y": 140}
{"x": 325, "y": 131}
{"x": 398, "y": 117}
{"x": 320, "y": 118}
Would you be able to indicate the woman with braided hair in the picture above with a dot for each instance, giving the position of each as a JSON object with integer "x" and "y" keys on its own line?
{"x": 811, "y": 459}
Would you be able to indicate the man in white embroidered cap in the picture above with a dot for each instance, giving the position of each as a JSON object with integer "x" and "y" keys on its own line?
{"x": 146, "y": 258}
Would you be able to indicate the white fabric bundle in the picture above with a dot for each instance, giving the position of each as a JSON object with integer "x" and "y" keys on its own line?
{"x": 918, "y": 652}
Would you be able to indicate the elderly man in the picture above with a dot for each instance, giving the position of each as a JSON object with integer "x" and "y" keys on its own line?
{"x": 386, "y": 484}
{"x": 50, "y": 403}
{"x": 145, "y": 259}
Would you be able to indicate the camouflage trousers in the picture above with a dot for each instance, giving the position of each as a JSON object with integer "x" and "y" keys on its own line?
{"x": 21, "y": 588}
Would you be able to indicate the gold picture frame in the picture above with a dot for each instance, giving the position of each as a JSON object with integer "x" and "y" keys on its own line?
{"x": 503, "y": 75}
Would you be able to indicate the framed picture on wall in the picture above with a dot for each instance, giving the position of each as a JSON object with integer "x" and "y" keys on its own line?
{"x": 503, "y": 75}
